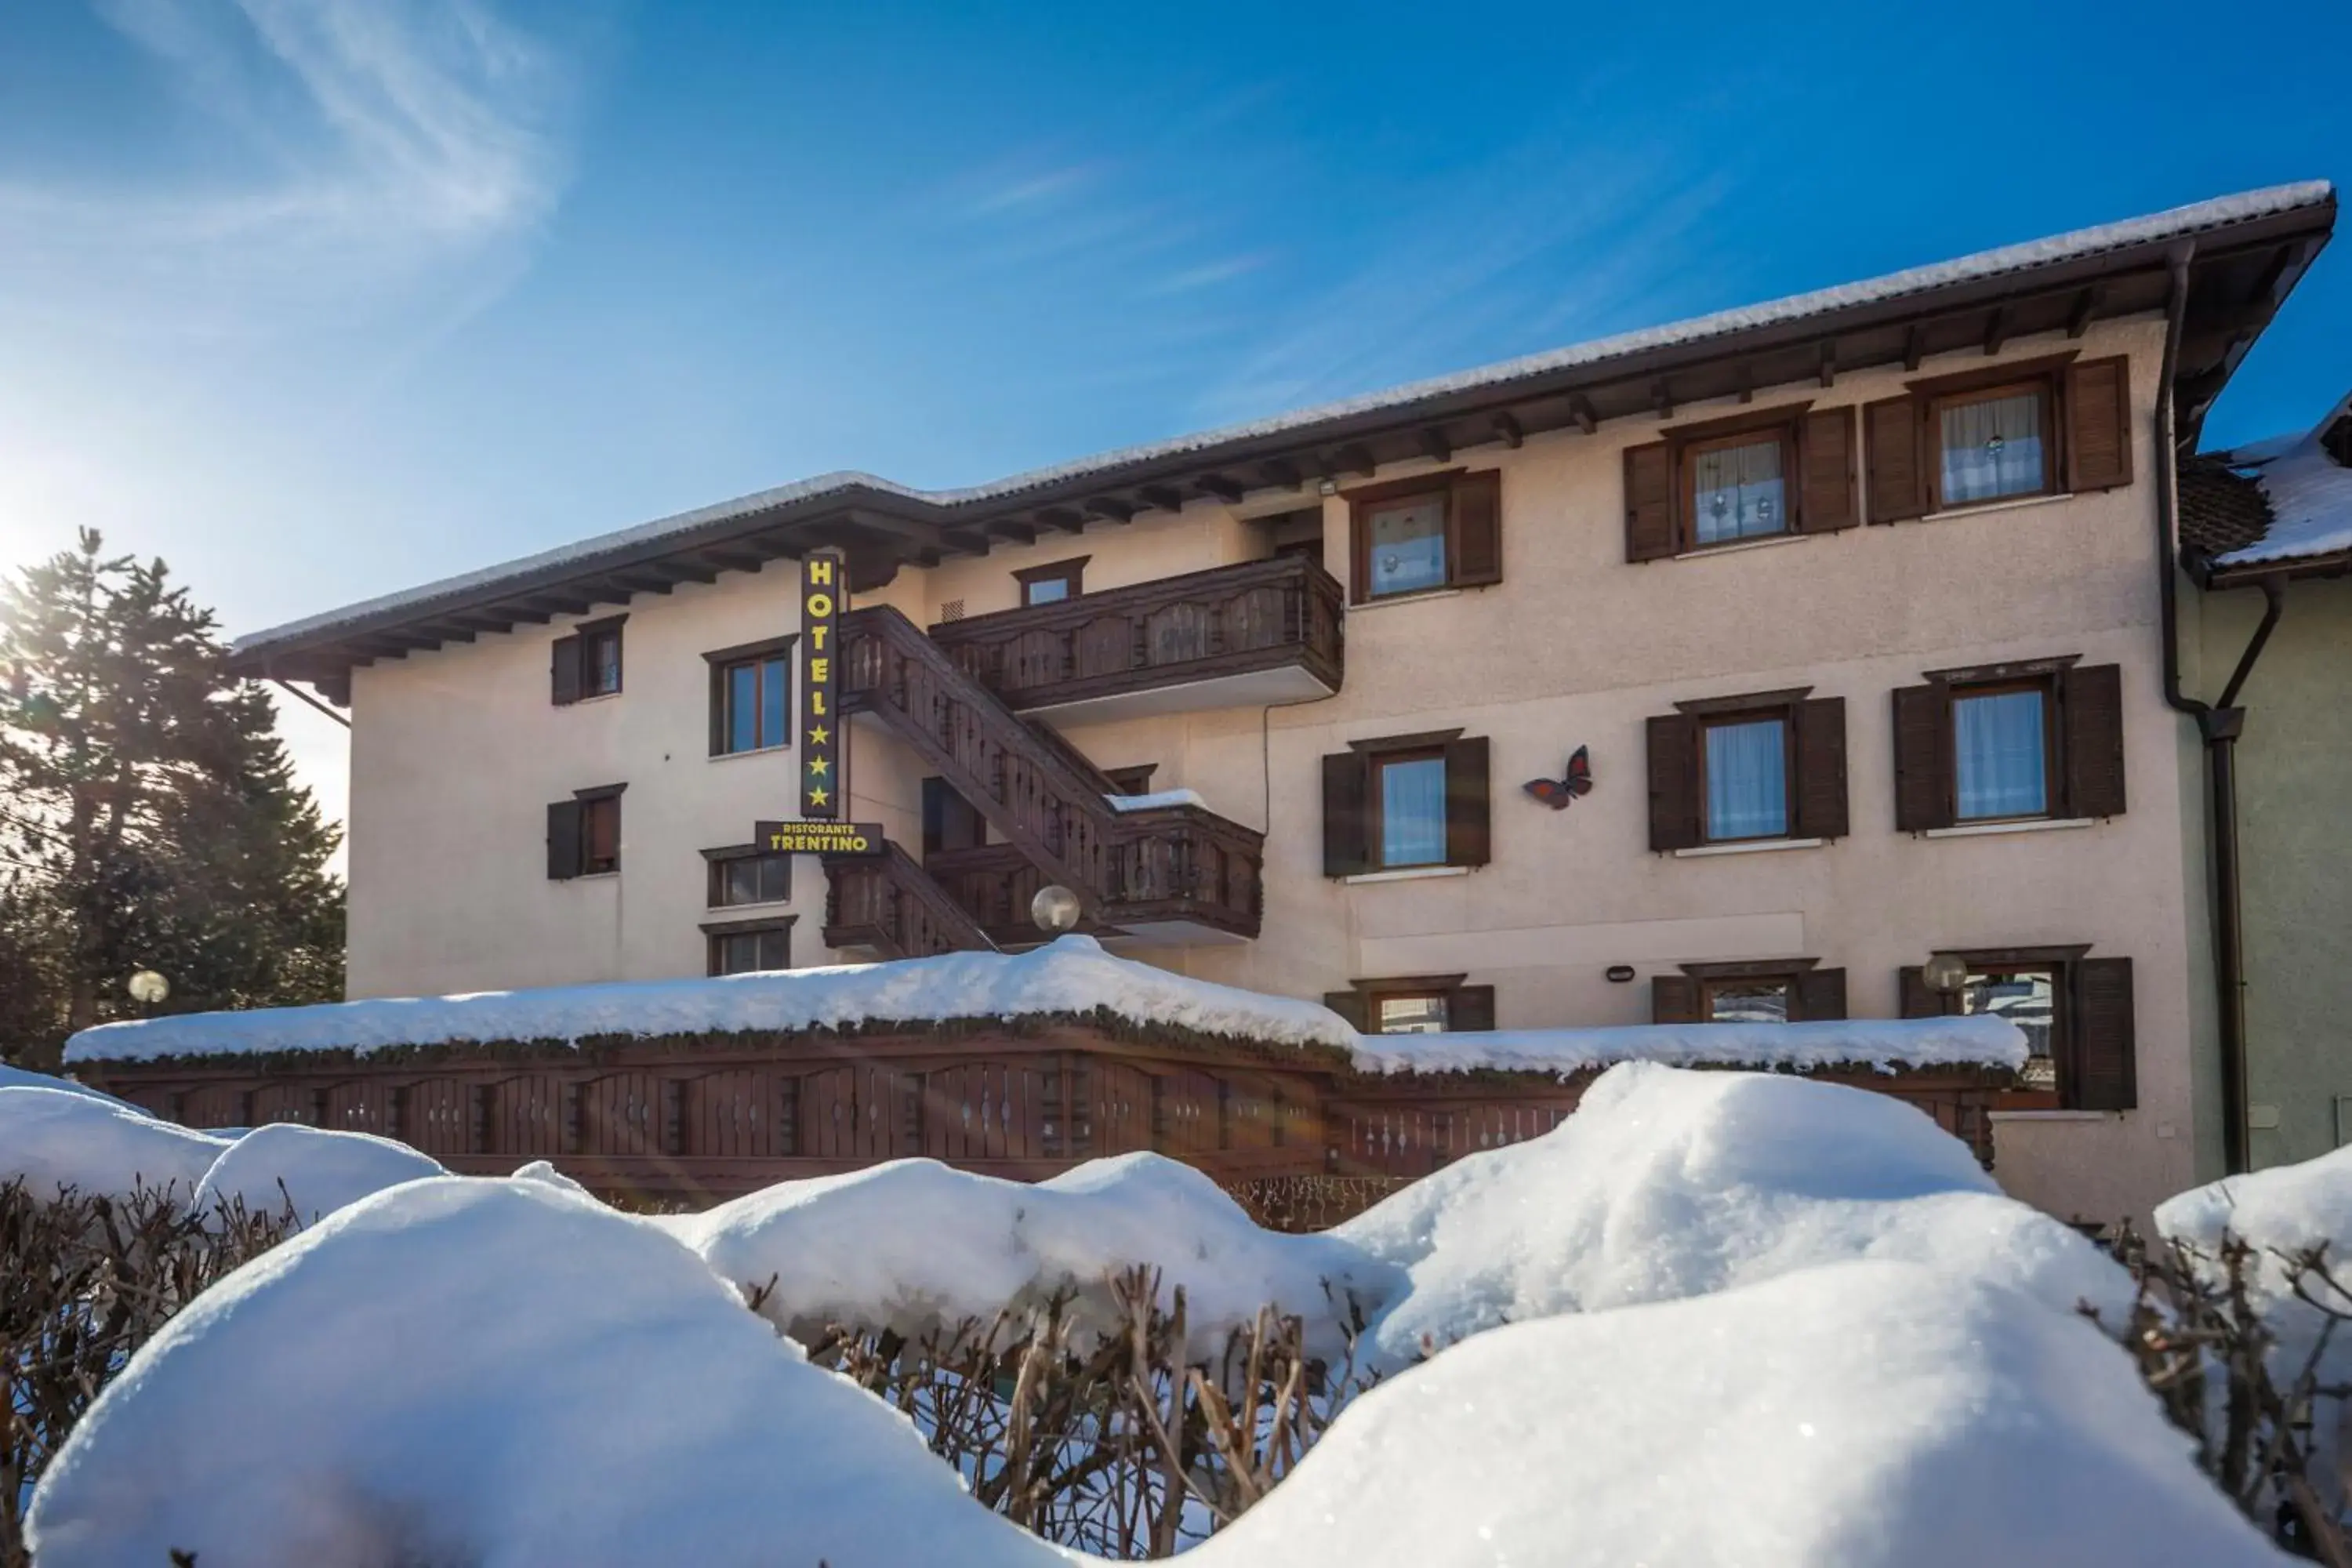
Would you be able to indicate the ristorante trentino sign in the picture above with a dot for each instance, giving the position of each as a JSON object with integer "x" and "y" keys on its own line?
{"x": 822, "y": 579}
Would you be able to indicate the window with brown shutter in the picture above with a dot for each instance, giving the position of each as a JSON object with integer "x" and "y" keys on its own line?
{"x": 1756, "y": 990}
{"x": 2039, "y": 738}
{"x": 2074, "y": 1011}
{"x": 746, "y": 947}
{"x": 1405, "y": 802}
{"x": 751, "y": 696}
{"x": 1424, "y": 533}
{"x": 1415, "y": 1004}
{"x": 587, "y": 663}
{"x": 1674, "y": 999}
{"x": 1749, "y": 475}
{"x": 584, "y": 833}
{"x": 2033, "y": 428}
{"x": 747, "y": 874}
{"x": 1766, "y": 765}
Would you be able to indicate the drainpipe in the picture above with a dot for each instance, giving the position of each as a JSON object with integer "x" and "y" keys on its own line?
{"x": 2220, "y": 725}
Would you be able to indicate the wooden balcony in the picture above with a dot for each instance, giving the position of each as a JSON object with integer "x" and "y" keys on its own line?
{"x": 1174, "y": 874}
{"x": 1262, "y": 632}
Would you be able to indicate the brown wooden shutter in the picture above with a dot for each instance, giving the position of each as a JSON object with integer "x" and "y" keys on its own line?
{"x": 2105, "y": 1077}
{"x": 1469, "y": 839}
{"x": 1674, "y": 781}
{"x": 1821, "y": 995}
{"x": 602, "y": 817}
{"x": 1821, "y": 768}
{"x": 1898, "y": 459}
{"x": 1826, "y": 501}
{"x": 1474, "y": 555}
{"x": 1674, "y": 999}
{"x": 1348, "y": 1005}
{"x": 2092, "y": 704}
{"x": 2098, "y": 424}
{"x": 1923, "y": 758}
{"x": 1470, "y": 1009}
{"x": 564, "y": 673}
{"x": 1649, "y": 502}
{"x": 1917, "y": 1001}
{"x": 563, "y": 839}
{"x": 1346, "y": 779}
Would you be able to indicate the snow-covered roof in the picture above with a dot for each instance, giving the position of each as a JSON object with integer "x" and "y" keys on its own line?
{"x": 2305, "y": 486}
{"x": 1073, "y": 975}
{"x": 845, "y": 486}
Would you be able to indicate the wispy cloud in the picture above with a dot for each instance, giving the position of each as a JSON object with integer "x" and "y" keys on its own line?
{"x": 347, "y": 145}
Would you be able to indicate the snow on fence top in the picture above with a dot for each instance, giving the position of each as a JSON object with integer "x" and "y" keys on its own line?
{"x": 1071, "y": 976}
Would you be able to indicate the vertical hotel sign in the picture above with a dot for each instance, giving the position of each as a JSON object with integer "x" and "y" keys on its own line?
{"x": 822, "y": 579}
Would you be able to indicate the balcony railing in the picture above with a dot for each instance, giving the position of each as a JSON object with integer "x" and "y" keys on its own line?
{"x": 1176, "y": 873}
{"x": 1261, "y": 631}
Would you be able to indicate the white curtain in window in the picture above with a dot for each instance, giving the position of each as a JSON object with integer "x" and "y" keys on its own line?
{"x": 1736, "y": 492}
{"x": 1992, "y": 448}
{"x": 1999, "y": 756}
{"x": 1408, "y": 547}
{"x": 1747, "y": 779}
{"x": 1412, "y": 813}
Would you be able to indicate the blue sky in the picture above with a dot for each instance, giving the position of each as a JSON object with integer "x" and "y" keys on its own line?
{"x": 323, "y": 298}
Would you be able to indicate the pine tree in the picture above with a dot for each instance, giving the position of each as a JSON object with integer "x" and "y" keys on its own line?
{"x": 147, "y": 810}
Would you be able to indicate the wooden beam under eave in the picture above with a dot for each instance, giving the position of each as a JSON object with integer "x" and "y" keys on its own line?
{"x": 1581, "y": 409}
{"x": 963, "y": 541}
{"x": 1434, "y": 445}
{"x": 1111, "y": 509}
{"x": 1829, "y": 362}
{"x": 1282, "y": 473}
{"x": 1009, "y": 528}
{"x": 1915, "y": 346}
{"x": 1167, "y": 497}
{"x": 1355, "y": 457}
{"x": 2086, "y": 305}
{"x": 733, "y": 560}
{"x": 1997, "y": 327}
{"x": 1063, "y": 519}
{"x": 1662, "y": 398}
{"x": 1507, "y": 429}
{"x": 1222, "y": 487}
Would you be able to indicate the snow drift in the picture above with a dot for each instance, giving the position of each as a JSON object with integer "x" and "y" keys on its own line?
{"x": 317, "y": 1170}
{"x": 58, "y": 1138}
{"x": 1667, "y": 1184}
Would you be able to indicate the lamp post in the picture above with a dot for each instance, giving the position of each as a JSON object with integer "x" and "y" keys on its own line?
{"x": 147, "y": 987}
{"x": 1944, "y": 973}
{"x": 1054, "y": 910}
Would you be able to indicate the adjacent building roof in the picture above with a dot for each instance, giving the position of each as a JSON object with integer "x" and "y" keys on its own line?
{"x": 2247, "y": 252}
{"x": 2281, "y": 505}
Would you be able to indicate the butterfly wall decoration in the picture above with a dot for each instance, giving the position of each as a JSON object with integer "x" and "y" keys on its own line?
{"x": 1559, "y": 793}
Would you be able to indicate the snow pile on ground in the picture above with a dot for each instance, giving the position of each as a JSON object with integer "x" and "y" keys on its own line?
{"x": 21, "y": 1077}
{"x": 58, "y": 1138}
{"x": 916, "y": 1245}
{"x": 2309, "y": 493}
{"x": 501, "y": 1372}
{"x": 2283, "y": 1213}
{"x": 1667, "y": 1184}
{"x": 1883, "y": 1043}
{"x": 1860, "y": 1415}
{"x": 496, "y": 1372}
{"x": 1071, "y": 975}
{"x": 318, "y": 1170}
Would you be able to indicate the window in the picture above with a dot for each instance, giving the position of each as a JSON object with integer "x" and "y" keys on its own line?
{"x": 1415, "y": 1004}
{"x": 584, "y": 833}
{"x": 1756, "y": 990}
{"x": 1404, "y": 801}
{"x": 587, "y": 663}
{"x": 1993, "y": 445}
{"x": 2074, "y": 1011}
{"x": 1731, "y": 770}
{"x": 2037, "y": 738}
{"x": 949, "y": 822}
{"x": 2032, "y": 427}
{"x": 752, "y": 696}
{"x": 1737, "y": 488}
{"x": 744, "y": 947}
{"x": 742, "y": 875}
{"x": 1052, "y": 584}
{"x": 1745, "y": 761}
{"x": 1409, "y": 798}
{"x": 1439, "y": 530}
{"x": 1752, "y": 476}
{"x": 2001, "y": 752}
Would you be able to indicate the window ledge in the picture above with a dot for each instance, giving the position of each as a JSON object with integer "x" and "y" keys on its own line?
{"x": 611, "y": 876}
{"x": 2030, "y": 824}
{"x": 762, "y": 907}
{"x": 2011, "y": 504}
{"x": 1406, "y": 874}
{"x": 1739, "y": 546}
{"x": 584, "y": 701}
{"x": 1419, "y": 595}
{"x": 2000, "y": 1116}
{"x": 755, "y": 752}
{"x": 1747, "y": 846}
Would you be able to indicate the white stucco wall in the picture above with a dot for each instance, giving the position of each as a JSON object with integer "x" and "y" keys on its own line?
{"x": 455, "y": 753}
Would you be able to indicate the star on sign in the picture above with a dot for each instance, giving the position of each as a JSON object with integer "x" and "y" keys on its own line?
{"x": 818, "y": 798}
{"x": 820, "y": 735}
{"x": 818, "y": 764}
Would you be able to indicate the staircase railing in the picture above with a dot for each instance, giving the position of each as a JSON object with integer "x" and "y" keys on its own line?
{"x": 890, "y": 905}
